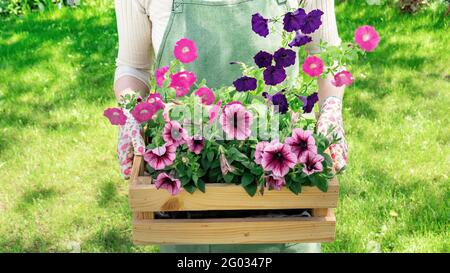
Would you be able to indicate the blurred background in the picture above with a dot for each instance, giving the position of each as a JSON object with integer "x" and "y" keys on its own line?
{"x": 60, "y": 187}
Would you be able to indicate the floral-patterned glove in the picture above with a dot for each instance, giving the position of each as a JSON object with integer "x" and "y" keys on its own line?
{"x": 331, "y": 120}
{"x": 130, "y": 143}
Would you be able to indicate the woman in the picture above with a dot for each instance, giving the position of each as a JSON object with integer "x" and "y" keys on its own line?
{"x": 148, "y": 29}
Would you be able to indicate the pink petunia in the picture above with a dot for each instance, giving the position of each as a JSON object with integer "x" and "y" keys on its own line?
{"x": 160, "y": 76}
{"x": 182, "y": 82}
{"x": 161, "y": 157}
{"x": 115, "y": 116}
{"x": 313, "y": 66}
{"x": 259, "y": 150}
{"x": 214, "y": 112}
{"x": 274, "y": 182}
{"x": 144, "y": 112}
{"x": 367, "y": 38}
{"x": 206, "y": 95}
{"x": 312, "y": 163}
{"x": 165, "y": 181}
{"x": 185, "y": 51}
{"x": 301, "y": 142}
{"x": 196, "y": 144}
{"x": 278, "y": 158}
{"x": 156, "y": 100}
{"x": 174, "y": 134}
{"x": 236, "y": 122}
{"x": 343, "y": 78}
{"x": 225, "y": 166}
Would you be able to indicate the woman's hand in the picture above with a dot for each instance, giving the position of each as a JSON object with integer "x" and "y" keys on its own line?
{"x": 329, "y": 124}
{"x": 130, "y": 143}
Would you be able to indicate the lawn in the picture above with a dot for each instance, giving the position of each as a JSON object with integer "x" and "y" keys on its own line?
{"x": 60, "y": 188}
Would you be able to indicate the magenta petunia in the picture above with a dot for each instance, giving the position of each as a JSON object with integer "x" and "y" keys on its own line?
{"x": 274, "y": 182}
{"x": 115, "y": 116}
{"x": 196, "y": 144}
{"x": 301, "y": 142}
{"x": 206, "y": 94}
{"x": 236, "y": 121}
{"x": 144, "y": 112}
{"x": 174, "y": 134}
{"x": 313, "y": 66}
{"x": 160, "y": 76}
{"x": 259, "y": 150}
{"x": 214, "y": 112}
{"x": 156, "y": 100}
{"x": 343, "y": 78}
{"x": 165, "y": 181}
{"x": 367, "y": 38}
{"x": 182, "y": 82}
{"x": 278, "y": 158}
{"x": 185, "y": 51}
{"x": 312, "y": 163}
{"x": 161, "y": 157}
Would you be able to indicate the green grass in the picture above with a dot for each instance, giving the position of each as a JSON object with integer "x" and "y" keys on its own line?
{"x": 59, "y": 180}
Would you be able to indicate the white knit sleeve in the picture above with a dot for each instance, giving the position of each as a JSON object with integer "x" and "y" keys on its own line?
{"x": 328, "y": 32}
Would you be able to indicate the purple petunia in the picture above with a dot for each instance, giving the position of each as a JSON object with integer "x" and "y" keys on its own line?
{"x": 245, "y": 83}
{"x": 300, "y": 40}
{"x": 284, "y": 57}
{"x": 260, "y": 25}
{"x": 312, "y": 21}
{"x": 279, "y": 99}
{"x": 274, "y": 75}
{"x": 263, "y": 59}
{"x": 309, "y": 102}
{"x": 293, "y": 21}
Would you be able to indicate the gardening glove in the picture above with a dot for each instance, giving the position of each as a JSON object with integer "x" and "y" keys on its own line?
{"x": 130, "y": 144}
{"x": 330, "y": 123}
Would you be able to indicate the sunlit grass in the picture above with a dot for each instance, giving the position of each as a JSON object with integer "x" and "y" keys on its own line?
{"x": 59, "y": 182}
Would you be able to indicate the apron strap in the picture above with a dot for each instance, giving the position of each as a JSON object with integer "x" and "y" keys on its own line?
{"x": 177, "y": 6}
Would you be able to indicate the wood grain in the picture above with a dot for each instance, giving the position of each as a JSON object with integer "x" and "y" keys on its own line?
{"x": 235, "y": 231}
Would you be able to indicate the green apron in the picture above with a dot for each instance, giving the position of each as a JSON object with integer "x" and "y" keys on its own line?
{"x": 223, "y": 34}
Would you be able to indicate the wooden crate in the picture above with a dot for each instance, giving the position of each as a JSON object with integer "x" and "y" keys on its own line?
{"x": 145, "y": 199}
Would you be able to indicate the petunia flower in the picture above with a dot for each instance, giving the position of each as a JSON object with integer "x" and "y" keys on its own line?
{"x": 160, "y": 76}
{"x": 260, "y": 25}
{"x": 182, "y": 82}
{"x": 274, "y": 75}
{"x": 278, "y": 158}
{"x": 245, "y": 83}
{"x": 300, "y": 40}
{"x": 312, "y": 21}
{"x": 225, "y": 166}
{"x": 165, "y": 181}
{"x": 301, "y": 142}
{"x": 196, "y": 144}
{"x": 284, "y": 57}
{"x": 279, "y": 99}
{"x": 206, "y": 95}
{"x": 115, "y": 116}
{"x": 161, "y": 157}
{"x": 259, "y": 149}
{"x": 274, "y": 182}
{"x": 185, "y": 51}
{"x": 236, "y": 122}
{"x": 312, "y": 163}
{"x": 293, "y": 21}
{"x": 263, "y": 59}
{"x": 174, "y": 134}
{"x": 214, "y": 112}
{"x": 156, "y": 100}
{"x": 144, "y": 112}
{"x": 343, "y": 78}
{"x": 313, "y": 66}
{"x": 367, "y": 38}
{"x": 309, "y": 102}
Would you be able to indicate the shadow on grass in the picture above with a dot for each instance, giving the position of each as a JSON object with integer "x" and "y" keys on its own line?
{"x": 34, "y": 195}
{"x": 116, "y": 239}
{"x": 107, "y": 194}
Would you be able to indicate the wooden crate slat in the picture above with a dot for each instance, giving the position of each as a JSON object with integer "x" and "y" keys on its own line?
{"x": 145, "y": 197}
{"x": 235, "y": 231}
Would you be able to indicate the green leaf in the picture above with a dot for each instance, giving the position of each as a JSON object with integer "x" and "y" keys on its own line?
{"x": 247, "y": 179}
{"x": 251, "y": 189}
{"x": 190, "y": 188}
{"x": 228, "y": 177}
{"x": 201, "y": 186}
{"x": 295, "y": 187}
{"x": 319, "y": 181}
{"x": 210, "y": 156}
